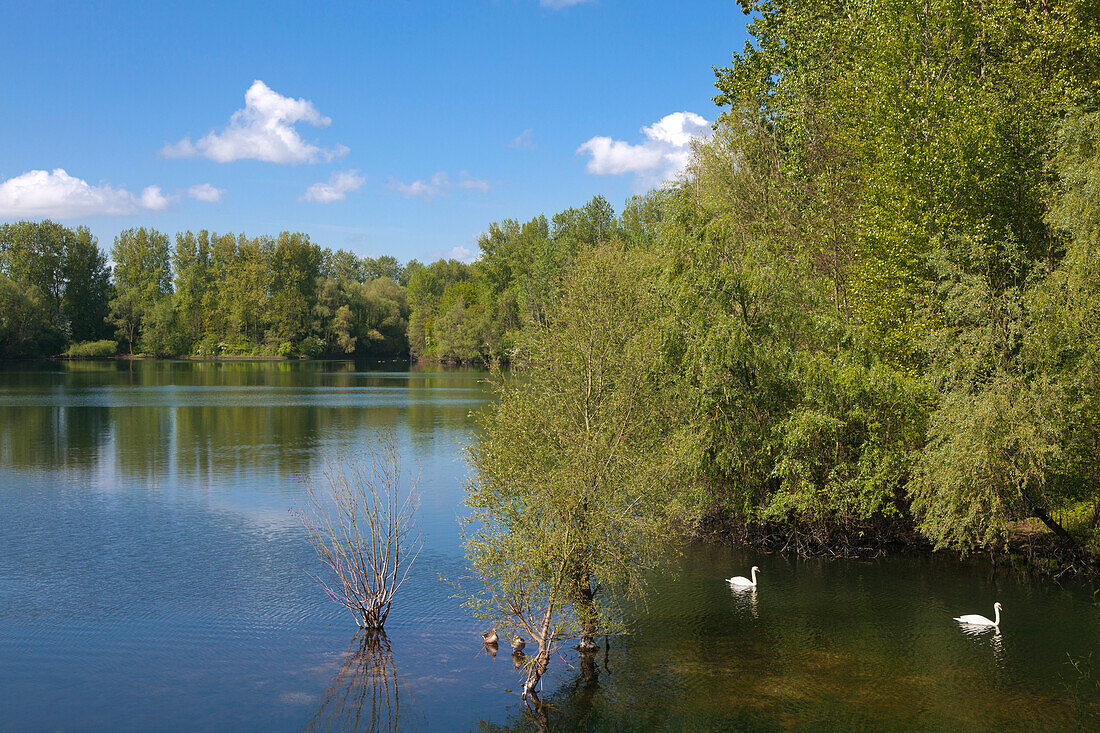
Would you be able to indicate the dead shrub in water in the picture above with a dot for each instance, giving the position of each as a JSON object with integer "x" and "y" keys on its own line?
{"x": 364, "y": 529}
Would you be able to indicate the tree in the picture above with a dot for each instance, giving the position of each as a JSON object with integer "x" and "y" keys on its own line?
{"x": 576, "y": 468}
{"x": 85, "y": 302}
{"x": 142, "y": 277}
{"x": 127, "y": 313}
{"x": 25, "y": 326}
{"x": 65, "y": 267}
{"x": 143, "y": 264}
{"x": 295, "y": 265}
{"x": 193, "y": 281}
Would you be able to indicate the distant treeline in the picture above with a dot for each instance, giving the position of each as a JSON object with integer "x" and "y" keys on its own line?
{"x": 207, "y": 294}
{"x": 202, "y": 294}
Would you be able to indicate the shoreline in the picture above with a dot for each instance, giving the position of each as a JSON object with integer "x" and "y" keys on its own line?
{"x": 1037, "y": 552}
{"x": 223, "y": 357}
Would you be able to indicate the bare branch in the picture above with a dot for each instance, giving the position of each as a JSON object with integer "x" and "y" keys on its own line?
{"x": 365, "y": 531}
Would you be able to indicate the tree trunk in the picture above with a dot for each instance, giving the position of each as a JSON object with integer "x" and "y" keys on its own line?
{"x": 1056, "y": 528}
{"x": 585, "y": 596}
{"x": 537, "y": 670}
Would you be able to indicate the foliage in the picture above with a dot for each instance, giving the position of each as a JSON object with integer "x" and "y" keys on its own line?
{"x": 578, "y": 464}
{"x": 65, "y": 282}
{"x": 881, "y": 304}
{"x": 92, "y": 349}
{"x": 25, "y": 324}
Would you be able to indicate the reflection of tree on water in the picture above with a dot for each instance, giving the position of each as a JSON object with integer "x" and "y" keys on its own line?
{"x": 364, "y": 693}
{"x": 572, "y": 706}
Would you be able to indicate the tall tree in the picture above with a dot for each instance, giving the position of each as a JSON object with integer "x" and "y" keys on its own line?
{"x": 577, "y": 467}
{"x": 295, "y": 265}
{"x": 142, "y": 277}
{"x": 193, "y": 280}
{"x": 85, "y": 303}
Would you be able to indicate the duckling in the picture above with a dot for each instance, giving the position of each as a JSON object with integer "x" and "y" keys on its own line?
{"x": 518, "y": 643}
{"x": 490, "y": 637}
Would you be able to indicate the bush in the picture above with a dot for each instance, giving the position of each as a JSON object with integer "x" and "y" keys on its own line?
{"x": 208, "y": 346}
{"x": 92, "y": 349}
{"x": 311, "y": 346}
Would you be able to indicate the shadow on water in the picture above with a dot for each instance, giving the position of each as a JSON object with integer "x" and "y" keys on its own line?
{"x": 366, "y": 692}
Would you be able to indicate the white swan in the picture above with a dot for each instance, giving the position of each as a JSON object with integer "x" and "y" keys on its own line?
{"x": 742, "y": 580}
{"x": 975, "y": 620}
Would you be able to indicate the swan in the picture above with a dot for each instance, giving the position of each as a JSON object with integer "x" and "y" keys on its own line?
{"x": 742, "y": 580}
{"x": 975, "y": 620}
{"x": 490, "y": 637}
{"x": 518, "y": 643}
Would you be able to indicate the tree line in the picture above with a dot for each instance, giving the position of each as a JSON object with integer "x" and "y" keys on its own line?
{"x": 200, "y": 294}
{"x": 870, "y": 309}
{"x": 205, "y": 294}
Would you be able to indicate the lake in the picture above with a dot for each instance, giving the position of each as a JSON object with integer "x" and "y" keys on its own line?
{"x": 153, "y": 576}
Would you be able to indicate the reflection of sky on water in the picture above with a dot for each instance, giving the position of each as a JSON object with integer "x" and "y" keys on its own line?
{"x": 244, "y": 437}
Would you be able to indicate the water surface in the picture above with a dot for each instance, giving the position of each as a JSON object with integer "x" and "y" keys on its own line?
{"x": 152, "y": 576}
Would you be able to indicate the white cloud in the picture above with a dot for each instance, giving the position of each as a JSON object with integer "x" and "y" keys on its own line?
{"x": 523, "y": 140}
{"x": 263, "y": 130}
{"x": 662, "y": 157}
{"x": 153, "y": 198}
{"x": 339, "y": 183}
{"x": 458, "y": 252}
{"x": 57, "y": 194}
{"x": 206, "y": 192}
{"x": 472, "y": 184}
{"x": 438, "y": 185}
{"x": 427, "y": 190}
{"x": 462, "y": 254}
{"x": 559, "y": 4}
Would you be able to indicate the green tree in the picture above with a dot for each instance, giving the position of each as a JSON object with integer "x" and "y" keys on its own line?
{"x": 25, "y": 326}
{"x": 84, "y": 304}
{"x": 193, "y": 281}
{"x": 127, "y": 314}
{"x": 576, "y": 468}
{"x": 142, "y": 277}
{"x": 295, "y": 265}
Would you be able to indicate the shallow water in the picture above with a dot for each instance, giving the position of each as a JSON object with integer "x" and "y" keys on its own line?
{"x": 152, "y": 576}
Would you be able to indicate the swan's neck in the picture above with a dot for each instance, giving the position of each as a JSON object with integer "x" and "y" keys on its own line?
{"x": 753, "y": 574}
{"x": 996, "y": 616}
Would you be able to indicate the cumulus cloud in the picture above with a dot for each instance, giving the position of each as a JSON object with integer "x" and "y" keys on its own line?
{"x": 57, "y": 194}
{"x": 263, "y": 130}
{"x": 437, "y": 185}
{"x": 559, "y": 4}
{"x": 339, "y": 183}
{"x": 206, "y": 192}
{"x": 661, "y": 157}
{"x": 153, "y": 198}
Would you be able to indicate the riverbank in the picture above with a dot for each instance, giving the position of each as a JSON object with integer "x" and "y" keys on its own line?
{"x": 1029, "y": 546}
{"x": 223, "y": 357}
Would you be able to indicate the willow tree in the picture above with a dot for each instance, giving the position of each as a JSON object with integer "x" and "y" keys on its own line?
{"x": 576, "y": 466}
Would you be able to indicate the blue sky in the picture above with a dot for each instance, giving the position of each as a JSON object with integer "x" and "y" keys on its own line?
{"x": 399, "y": 128}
